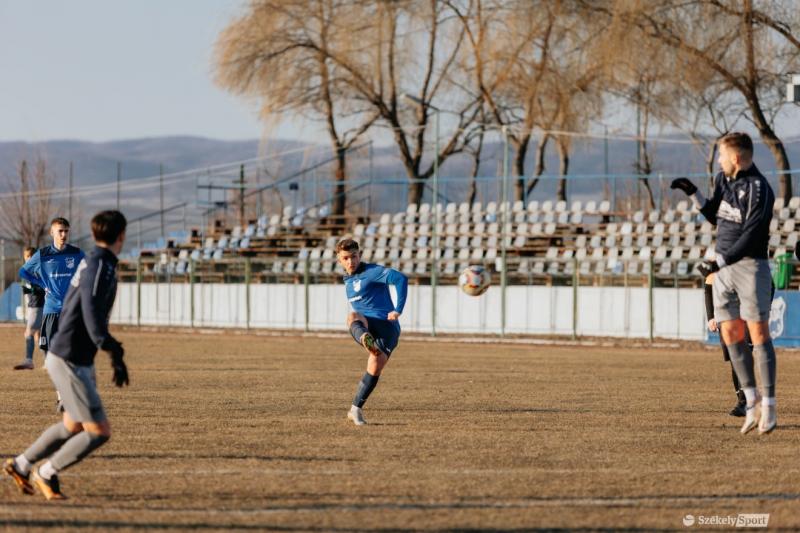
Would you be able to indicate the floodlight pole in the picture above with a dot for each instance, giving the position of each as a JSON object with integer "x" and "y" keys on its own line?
{"x": 119, "y": 179}
{"x": 434, "y": 227}
{"x": 504, "y": 222}
{"x": 161, "y": 201}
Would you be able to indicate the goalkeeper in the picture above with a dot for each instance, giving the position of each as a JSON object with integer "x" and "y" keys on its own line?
{"x": 741, "y": 208}
{"x": 70, "y": 363}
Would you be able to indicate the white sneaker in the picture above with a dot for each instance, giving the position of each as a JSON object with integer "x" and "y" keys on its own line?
{"x": 769, "y": 419}
{"x": 752, "y": 416}
{"x": 356, "y": 416}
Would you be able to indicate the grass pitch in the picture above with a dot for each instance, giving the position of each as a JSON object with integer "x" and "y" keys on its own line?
{"x": 238, "y": 431}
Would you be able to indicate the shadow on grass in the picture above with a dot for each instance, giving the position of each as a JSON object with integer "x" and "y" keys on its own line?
{"x": 242, "y": 457}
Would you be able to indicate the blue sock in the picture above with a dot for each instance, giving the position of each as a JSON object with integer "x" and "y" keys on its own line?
{"x": 357, "y": 330}
{"x": 365, "y": 388}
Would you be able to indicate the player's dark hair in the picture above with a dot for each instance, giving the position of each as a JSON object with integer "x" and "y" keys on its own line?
{"x": 346, "y": 245}
{"x": 740, "y": 142}
{"x": 61, "y": 221}
{"x": 107, "y": 226}
{"x": 28, "y": 250}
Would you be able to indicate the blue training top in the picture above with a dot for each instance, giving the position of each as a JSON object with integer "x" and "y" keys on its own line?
{"x": 368, "y": 290}
{"x": 52, "y": 269}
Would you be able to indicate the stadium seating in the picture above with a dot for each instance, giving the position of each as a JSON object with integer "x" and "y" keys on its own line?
{"x": 545, "y": 241}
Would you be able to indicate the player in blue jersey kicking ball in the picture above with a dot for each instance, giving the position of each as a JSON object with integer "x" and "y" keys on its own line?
{"x": 374, "y": 318}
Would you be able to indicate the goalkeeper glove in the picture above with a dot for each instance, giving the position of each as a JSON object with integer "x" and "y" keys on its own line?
{"x": 685, "y": 185}
{"x": 116, "y": 352}
{"x": 707, "y": 267}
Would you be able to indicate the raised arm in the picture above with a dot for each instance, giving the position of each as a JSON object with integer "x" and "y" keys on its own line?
{"x": 707, "y": 206}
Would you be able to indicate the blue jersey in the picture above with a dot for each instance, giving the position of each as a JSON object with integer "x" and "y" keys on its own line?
{"x": 368, "y": 290}
{"x": 52, "y": 269}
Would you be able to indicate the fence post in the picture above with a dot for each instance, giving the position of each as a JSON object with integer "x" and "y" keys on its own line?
{"x": 504, "y": 205}
{"x": 169, "y": 289}
{"x": 651, "y": 284}
{"x": 306, "y": 290}
{"x": 247, "y": 274}
{"x": 3, "y": 264}
{"x": 139, "y": 291}
{"x": 574, "y": 298}
{"x": 191, "y": 291}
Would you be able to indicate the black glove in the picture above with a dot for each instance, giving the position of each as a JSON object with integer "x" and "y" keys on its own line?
{"x": 116, "y": 353}
{"x": 707, "y": 267}
{"x": 683, "y": 184}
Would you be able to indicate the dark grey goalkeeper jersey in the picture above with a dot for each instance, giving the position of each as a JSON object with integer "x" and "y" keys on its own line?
{"x": 741, "y": 208}
{"x": 83, "y": 326}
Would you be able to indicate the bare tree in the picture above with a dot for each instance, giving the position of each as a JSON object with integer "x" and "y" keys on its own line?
{"x": 25, "y": 210}
{"x": 746, "y": 49}
{"x": 529, "y": 61}
{"x": 507, "y": 60}
{"x": 411, "y": 48}
{"x": 279, "y": 53}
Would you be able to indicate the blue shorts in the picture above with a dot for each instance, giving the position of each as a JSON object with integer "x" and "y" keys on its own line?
{"x": 386, "y": 333}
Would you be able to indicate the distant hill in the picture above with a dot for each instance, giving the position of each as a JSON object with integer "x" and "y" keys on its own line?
{"x": 95, "y": 164}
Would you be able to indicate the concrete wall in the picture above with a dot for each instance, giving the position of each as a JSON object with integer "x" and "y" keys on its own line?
{"x": 535, "y": 310}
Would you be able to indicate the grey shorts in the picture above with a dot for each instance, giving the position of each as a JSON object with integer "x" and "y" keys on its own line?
{"x": 34, "y": 318}
{"x": 743, "y": 290}
{"x": 78, "y": 389}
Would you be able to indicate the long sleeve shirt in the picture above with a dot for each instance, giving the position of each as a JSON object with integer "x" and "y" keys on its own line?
{"x": 52, "y": 269}
{"x": 741, "y": 208}
{"x": 368, "y": 290}
{"x": 83, "y": 325}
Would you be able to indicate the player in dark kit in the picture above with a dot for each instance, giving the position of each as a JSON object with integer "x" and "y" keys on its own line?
{"x": 70, "y": 363}
{"x": 373, "y": 321}
{"x": 33, "y": 315}
{"x": 741, "y": 208}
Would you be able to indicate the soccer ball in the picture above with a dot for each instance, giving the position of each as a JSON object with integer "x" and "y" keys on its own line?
{"x": 474, "y": 280}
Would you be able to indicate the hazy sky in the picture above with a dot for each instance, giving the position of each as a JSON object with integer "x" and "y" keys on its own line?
{"x": 113, "y": 69}
{"x": 118, "y": 69}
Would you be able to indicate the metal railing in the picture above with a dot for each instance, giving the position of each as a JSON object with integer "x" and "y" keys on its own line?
{"x": 305, "y": 274}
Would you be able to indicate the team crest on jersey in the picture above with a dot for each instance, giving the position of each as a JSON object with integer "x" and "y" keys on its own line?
{"x": 357, "y": 285}
{"x": 70, "y": 262}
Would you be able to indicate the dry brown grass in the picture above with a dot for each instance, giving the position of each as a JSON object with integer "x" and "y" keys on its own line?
{"x": 242, "y": 431}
